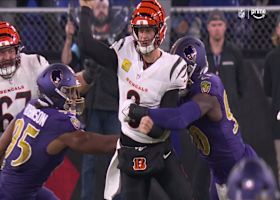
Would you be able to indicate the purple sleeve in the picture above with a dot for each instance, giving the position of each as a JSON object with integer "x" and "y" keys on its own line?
{"x": 176, "y": 118}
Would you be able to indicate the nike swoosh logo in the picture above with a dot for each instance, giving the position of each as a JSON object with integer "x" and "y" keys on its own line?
{"x": 204, "y": 78}
{"x": 166, "y": 155}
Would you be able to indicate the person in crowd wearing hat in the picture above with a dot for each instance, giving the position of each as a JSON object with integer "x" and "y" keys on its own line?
{"x": 225, "y": 59}
{"x": 271, "y": 84}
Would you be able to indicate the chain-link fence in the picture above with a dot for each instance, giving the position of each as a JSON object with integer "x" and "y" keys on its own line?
{"x": 42, "y": 30}
{"x": 252, "y": 35}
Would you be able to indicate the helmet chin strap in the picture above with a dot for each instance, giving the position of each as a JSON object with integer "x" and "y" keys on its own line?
{"x": 147, "y": 49}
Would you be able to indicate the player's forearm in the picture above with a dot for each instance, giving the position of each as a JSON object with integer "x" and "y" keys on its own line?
{"x": 66, "y": 55}
{"x": 176, "y": 118}
{"x": 91, "y": 143}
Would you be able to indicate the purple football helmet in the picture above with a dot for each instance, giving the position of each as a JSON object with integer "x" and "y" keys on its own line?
{"x": 252, "y": 179}
{"x": 58, "y": 88}
{"x": 193, "y": 51}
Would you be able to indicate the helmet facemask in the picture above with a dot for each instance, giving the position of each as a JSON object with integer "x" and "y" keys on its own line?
{"x": 74, "y": 103}
{"x": 9, "y": 67}
{"x": 59, "y": 89}
{"x": 154, "y": 43}
{"x": 9, "y": 40}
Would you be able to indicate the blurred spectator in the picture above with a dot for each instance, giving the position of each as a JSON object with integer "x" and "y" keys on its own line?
{"x": 101, "y": 103}
{"x": 180, "y": 29}
{"x": 276, "y": 34}
{"x": 225, "y": 59}
{"x": 71, "y": 53}
{"x": 183, "y": 28}
{"x": 271, "y": 82}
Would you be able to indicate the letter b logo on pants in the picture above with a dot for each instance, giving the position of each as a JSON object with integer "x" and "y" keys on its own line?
{"x": 139, "y": 163}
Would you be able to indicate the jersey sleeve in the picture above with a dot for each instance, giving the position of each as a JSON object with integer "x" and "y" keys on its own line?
{"x": 118, "y": 45}
{"x": 209, "y": 84}
{"x": 178, "y": 74}
{"x": 70, "y": 122}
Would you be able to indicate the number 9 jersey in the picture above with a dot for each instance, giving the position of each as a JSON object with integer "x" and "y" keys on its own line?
{"x": 16, "y": 91}
{"x": 145, "y": 87}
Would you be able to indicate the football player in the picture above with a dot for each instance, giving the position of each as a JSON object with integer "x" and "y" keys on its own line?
{"x": 151, "y": 77}
{"x": 37, "y": 139}
{"x": 252, "y": 179}
{"x": 205, "y": 112}
{"x": 18, "y": 73}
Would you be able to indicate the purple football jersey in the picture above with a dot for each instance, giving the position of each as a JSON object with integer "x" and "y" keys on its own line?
{"x": 27, "y": 164}
{"x": 220, "y": 143}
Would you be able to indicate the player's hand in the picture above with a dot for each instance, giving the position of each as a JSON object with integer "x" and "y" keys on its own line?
{"x": 88, "y": 3}
{"x": 125, "y": 109}
{"x": 69, "y": 29}
{"x": 136, "y": 112}
{"x": 146, "y": 125}
{"x": 83, "y": 87}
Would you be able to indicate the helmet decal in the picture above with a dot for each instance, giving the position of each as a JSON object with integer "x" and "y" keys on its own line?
{"x": 56, "y": 77}
{"x": 193, "y": 51}
{"x": 190, "y": 53}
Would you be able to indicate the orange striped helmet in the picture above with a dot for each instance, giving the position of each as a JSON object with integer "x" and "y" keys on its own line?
{"x": 9, "y": 38}
{"x": 151, "y": 14}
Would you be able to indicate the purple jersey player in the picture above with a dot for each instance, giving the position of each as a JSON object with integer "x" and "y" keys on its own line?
{"x": 35, "y": 142}
{"x": 205, "y": 112}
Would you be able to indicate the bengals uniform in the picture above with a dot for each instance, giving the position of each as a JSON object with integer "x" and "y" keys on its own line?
{"x": 145, "y": 86}
{"x": 16, "y": 91}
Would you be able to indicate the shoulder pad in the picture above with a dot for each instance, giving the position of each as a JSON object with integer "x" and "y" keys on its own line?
{"x": 209, "y": 84}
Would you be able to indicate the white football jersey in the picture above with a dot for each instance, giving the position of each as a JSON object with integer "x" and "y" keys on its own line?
{"x": 17, "y": 91}
{"x": 148, "y": 86}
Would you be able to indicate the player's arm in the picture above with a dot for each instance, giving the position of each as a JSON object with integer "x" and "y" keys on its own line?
{"x": 91, "y": 47}
{"x": 182, "y": 116}
{"x": 6, "y": 139}
{"x": 169, "y": 99}
{"x": 88, "y": 142}
{"x": 66, "y": 55}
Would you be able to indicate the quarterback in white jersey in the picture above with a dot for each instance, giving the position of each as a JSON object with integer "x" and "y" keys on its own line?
{"x": 148, "y": 86}
{"x": 150, "y": 77}
{"x": 18, "y": 74}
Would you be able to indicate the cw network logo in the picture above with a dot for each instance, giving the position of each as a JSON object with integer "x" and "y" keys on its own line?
{"x": 256, "y": 13}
